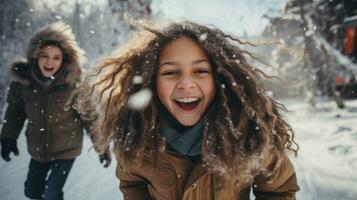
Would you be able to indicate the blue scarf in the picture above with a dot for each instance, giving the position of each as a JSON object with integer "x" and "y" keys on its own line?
{"x": 187, "y": 141}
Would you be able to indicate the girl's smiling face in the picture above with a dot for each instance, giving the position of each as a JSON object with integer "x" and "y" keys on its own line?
{"x": 184, "y": 82}
{"x": 50, "y": 60}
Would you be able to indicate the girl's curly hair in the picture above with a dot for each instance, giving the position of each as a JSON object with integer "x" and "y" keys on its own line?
{"x": 244, "y": 125}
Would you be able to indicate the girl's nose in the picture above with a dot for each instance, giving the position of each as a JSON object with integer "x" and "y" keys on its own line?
{"x": 50, "y": 62}
{"x": 46, "y": 61}
{"x": 186, "y": 83}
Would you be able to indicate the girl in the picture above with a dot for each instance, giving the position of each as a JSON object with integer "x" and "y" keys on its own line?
{"x": 209, "y": 131}
{"x": 43, "y": 85}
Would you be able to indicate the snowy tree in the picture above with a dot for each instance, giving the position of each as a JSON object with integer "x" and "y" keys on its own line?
{"x": 13, "y": 27}
{"x": 310, "y": 38}
{"x": 138, "y": 9}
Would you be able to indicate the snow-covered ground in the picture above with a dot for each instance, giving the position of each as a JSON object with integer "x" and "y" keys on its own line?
{"x": 326, "y": 166}
{"x": 327, "y": 162}
{"x": 87, "y": 180}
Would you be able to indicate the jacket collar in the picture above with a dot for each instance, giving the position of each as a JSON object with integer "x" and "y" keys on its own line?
{"x": 47, "y": 83}
{"x": 24, "y": 73}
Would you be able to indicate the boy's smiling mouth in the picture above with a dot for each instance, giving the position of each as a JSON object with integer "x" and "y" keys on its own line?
{"x": 188, "y": 104}
{"x": 48, "y": 68}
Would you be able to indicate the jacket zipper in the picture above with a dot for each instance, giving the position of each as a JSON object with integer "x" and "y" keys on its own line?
{"x": 43, "y": 112}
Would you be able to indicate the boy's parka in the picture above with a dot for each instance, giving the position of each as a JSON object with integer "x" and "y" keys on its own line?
{"x": 54, "y": 129}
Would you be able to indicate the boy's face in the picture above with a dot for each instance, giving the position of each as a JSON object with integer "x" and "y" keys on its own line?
{"x": 184, "y": 81}
{"x": 50, "y": 60}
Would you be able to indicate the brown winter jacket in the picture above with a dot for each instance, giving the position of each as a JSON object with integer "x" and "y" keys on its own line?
{"x": 176, "y": 178}
{"x": 54, "y": 129}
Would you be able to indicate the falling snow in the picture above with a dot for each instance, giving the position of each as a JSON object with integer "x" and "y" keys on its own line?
{"x": 140, "y": 100}
{"x": 137, "y": 79}
{"x": 203, "y": 37}
{"x": 327, "y": 133}
{"x": 269, "y": 93}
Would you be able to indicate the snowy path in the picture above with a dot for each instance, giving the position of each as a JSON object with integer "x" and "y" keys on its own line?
{"x": 327, "y": 162}
{"x": 326, "y": 165}
{"x": 87, "y": 180}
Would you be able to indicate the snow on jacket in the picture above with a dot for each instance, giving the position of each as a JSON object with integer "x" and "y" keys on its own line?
{"x": 54, "y": 129}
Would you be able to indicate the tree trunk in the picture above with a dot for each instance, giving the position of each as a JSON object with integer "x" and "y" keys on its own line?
{"x": 330, "y": 79}
{"x": 310, "y": 83}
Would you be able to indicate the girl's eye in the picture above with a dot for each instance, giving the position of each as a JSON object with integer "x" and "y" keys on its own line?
{"x": 202, "y": 71}
{"x": 43, "y": 56}
{"x": 169, "y": 73}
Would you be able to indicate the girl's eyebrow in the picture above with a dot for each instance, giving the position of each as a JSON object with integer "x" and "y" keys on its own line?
{"x": 201, "y": 61}
{"x": 176, "y": 63}
{"x": 169, "y": 63}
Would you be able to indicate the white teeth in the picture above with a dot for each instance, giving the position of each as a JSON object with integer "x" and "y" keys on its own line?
{"x": 187, "y": 100}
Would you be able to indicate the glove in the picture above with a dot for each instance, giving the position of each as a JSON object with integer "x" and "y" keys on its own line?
{"x": 106, "y": 158}
{"x": 8, "y": 146}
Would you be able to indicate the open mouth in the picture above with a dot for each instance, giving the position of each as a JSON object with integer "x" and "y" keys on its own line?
{"x": 188, "y": 104}
{"x": 48, "y": 68}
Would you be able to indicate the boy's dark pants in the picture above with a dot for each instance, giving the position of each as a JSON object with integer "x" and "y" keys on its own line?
{"x": 38, "y": 187}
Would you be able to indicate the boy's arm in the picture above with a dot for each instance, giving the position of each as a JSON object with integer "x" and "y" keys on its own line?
{"x": 88, "y": 116}
{"x": 15, "y": 115}
{"x": 84, "y": 110}
{"x": 280, "y": 184}
{"x": 104, "y": 157}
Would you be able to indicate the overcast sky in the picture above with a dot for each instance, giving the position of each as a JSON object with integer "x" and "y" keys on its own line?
{"x": 233, "y": 16}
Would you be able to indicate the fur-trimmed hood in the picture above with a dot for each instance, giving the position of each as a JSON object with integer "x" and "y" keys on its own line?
{"x": 61, "y": 34}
